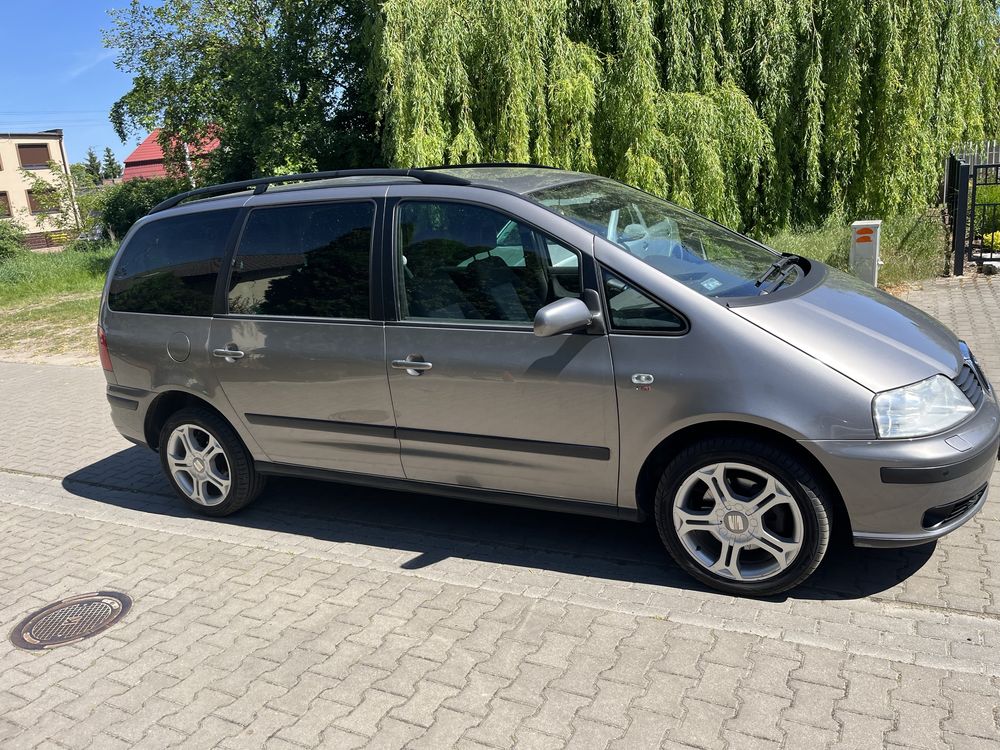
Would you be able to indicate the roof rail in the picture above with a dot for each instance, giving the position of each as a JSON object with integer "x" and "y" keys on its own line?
{"x": 261, "y": 184}
{"x": 487, "y": 164}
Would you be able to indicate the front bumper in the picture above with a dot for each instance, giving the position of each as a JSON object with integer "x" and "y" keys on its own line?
{"x": 901, "y": 493}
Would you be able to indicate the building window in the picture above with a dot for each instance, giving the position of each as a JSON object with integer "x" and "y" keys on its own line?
{"x": 33, "y": 155}
{"x": 4, "y": 206}
{"x": 42, "y": 202}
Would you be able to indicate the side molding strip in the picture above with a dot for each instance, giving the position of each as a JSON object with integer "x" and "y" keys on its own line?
{"x": 589, "y": 452}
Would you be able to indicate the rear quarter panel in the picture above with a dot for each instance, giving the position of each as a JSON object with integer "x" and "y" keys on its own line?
{"x": 142, "y": 364}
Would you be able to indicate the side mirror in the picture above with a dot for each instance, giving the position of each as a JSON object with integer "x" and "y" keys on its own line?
{"x": 564, "y": 315}
{"x": 632, "y": 233}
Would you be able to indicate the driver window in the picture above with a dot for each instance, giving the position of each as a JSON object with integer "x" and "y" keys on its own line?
{"x": 461, "y": 262}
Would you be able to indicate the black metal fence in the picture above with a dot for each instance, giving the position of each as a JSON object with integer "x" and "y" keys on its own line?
{"x": 972, "y": 198}
{"x": 984, "y": 210}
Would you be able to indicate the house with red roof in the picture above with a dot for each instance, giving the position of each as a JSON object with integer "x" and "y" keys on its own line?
{"x": 147, "y": 160}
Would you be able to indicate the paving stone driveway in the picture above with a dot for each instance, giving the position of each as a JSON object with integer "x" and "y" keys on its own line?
{"x": 339, "y": 617}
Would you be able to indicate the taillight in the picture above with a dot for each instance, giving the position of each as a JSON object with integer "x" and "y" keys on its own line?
{"x": 102, "y": 347}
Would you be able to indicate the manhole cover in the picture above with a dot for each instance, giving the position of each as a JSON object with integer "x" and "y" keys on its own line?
{"x": 70, "y": 620}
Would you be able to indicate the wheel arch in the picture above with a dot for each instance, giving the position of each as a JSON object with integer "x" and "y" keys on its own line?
{"x": 661, "y": 455}
{"x": 169, "y": 402}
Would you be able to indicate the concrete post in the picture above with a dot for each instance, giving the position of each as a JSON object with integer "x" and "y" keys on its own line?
{"x": 865, "y": 241}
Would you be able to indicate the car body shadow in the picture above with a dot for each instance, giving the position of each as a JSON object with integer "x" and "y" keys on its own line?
{"x": 435, "y": 529}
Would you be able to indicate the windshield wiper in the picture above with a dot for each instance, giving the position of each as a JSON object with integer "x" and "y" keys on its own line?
{"x": 782, "y": 264}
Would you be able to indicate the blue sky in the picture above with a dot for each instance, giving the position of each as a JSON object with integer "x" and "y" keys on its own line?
{"x": 63, "y": 79}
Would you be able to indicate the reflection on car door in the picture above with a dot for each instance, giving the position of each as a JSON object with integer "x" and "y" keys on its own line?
{"x": 307, "y": 369}
{"x": 479, "y": 400}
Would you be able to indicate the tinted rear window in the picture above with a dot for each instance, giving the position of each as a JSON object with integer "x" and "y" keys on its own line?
{"x": 169, "y": 266}
{"x": 304, "y": 261}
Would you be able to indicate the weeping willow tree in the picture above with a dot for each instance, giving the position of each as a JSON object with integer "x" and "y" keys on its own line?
{"x": 759, "y": 113}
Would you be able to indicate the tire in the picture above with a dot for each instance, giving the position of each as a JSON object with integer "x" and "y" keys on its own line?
{"x": 207, "y": 464}
{"x": 743, "y": 536}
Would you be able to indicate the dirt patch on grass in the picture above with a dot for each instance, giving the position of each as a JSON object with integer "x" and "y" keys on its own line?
{"x": 48, "y": 302}
{"x": 59, "y": 329}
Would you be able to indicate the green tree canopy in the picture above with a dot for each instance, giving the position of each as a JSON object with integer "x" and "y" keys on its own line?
{"x": 276, "y": 80}
{"x": 110, "y": 167}
{"x": 760, "y": 113}
{"x": 92, "y": 165}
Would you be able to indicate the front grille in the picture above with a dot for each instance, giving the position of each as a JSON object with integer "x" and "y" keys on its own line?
{"x": 944, "y": 514}
{"x": 980, "y": 373}
{"x": 969, "y": 382}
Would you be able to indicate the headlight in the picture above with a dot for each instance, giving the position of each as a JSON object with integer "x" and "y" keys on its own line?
{"x": 923, "y": 408}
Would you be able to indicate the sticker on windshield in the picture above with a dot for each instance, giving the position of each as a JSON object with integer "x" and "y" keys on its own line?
{"x": 711, "y": 284}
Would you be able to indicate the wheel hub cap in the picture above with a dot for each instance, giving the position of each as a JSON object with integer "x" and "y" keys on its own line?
{"x": 736, "y": 522}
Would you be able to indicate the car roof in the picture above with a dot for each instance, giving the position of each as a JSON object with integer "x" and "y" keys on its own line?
{"x": 522, "y": 179}
{"x": 516, "y": 178}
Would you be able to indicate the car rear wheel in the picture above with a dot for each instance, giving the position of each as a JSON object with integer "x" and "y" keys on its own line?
{"x": 743, "y": 516}
{"x": 207, "y": 463}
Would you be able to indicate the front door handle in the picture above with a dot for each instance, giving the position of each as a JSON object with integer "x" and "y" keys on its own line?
{"x": 414, "y": 364}
{"x": 228, "y": 354}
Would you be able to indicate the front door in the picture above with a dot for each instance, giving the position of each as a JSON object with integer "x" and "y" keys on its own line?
{"x": 298, "y": 354}
{"x": 479, "y": 400}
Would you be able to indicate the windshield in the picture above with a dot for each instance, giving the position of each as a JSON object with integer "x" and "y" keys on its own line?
{"x": 689, "y": 248}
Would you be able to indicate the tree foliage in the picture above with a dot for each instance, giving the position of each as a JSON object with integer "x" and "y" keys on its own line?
{"x": 760, "y": 113}
{"x": 11, "y": 239}
{"x": 127, "y": 202}
{"x": 92, "y": 166}
{"x": 111, "y": 168}
{"x": 54, "y": 193}
{"x": 278, "y": 80}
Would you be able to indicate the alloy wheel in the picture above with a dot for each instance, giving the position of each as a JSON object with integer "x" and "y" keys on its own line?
{"x": 198, "y": 464}
{"x": 738, "y": 521}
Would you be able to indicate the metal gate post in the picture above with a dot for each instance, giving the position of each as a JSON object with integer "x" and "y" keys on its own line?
{"x": 961, "y": 212}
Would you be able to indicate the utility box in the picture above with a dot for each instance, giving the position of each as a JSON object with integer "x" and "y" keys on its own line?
{"x": 865, "y": 250}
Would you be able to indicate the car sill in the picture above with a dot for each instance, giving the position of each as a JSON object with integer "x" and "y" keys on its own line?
{"x": 452, "y": 491}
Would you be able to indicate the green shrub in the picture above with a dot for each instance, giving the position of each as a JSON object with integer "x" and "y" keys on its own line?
{"x": 912, "y": 247}
{"x": 91, "y": 245}
{"x": 126, "y": 203}
{"x": 11, "y": 238}
{"x": 988, "y": 220}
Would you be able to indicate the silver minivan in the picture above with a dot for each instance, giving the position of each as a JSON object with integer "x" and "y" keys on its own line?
{"x": 542, "y": 338}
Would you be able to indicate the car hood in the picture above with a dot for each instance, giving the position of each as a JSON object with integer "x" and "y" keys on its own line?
{"x": 871, "y": 337}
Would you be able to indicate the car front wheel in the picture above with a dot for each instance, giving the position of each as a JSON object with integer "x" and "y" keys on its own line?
{"x": 743, "y": 516}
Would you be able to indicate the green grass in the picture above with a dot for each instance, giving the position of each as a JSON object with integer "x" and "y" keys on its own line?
{"x": 31, "y": 278}
{"x": 912, "y": 248}
{"x": 49, "y": 301}
{"x": 55, "y": 327}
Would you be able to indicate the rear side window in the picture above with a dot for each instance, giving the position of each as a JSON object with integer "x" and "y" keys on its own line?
{"x": 169, "y": 267}
{"x": 304, "y": 261}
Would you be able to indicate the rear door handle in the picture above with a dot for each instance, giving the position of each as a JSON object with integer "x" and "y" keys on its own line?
{"x": 231, "y": 354}
{"x": 412, "y": 364}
